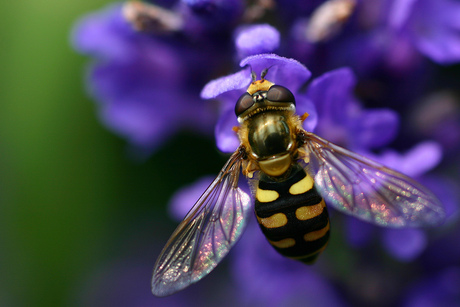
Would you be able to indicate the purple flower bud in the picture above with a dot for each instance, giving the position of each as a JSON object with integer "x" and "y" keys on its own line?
{"x": 257, "y": 39}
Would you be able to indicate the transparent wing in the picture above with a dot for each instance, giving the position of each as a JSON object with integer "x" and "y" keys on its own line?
{"x": 367, "y": 190}
{"x": 206, "y": 234}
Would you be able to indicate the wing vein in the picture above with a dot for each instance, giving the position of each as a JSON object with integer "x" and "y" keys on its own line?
{"x": 365, "y": 189}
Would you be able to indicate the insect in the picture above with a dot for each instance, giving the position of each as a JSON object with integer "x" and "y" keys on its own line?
{"x": 292, "y": 174}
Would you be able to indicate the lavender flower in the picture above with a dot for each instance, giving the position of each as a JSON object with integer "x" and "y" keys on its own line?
{"x": 130, "y": 83}
{"x": 257, "y": 39}
{"x": 341, "y": 119}
{"x": 433, "y": 27}
{"x": 210, "y": 17}
{"x": 394, "y": 33}
{"x": 148, "y": 87}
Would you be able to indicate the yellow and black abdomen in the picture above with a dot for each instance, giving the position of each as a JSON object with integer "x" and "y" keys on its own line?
{"x": 292, "y": 215}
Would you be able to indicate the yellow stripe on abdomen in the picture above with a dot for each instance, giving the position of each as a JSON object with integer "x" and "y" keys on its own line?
{"x": 308, "y": 212}
{"x": 304, "y": 185}
{"x": 274, "y": 221}
{"x": 284, "y": 243}
{"x": 266, "y": 196}
{"x": 315, "y": 235}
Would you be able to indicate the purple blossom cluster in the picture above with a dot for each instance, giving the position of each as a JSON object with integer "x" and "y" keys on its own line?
{"x": 376, "y": 83}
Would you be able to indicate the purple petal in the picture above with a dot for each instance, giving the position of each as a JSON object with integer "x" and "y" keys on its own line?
{"x": 257, "y": 39}
{"x": 138, "y": 106}
{"x": 404, "y": 244}
{"x": 375, "y": 128}
{"x": 94, "y": 32}
{"x": 331, "y": 94}
{"x": 236, "y": 81}
{"x": 226, "y": 139}
{"x": 415, "y": 162}
{"x": 138, "y": 122}
{"x": 442, "y": 46}
{"x": 305, "y": 105}
{"x": 436, "y": 30}
{"x": 143, "y": 75}
{"x": 283, "y": 71}
{"x": 399, "y": 12}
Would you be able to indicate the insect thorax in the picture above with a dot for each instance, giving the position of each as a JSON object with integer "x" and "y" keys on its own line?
{"x": 270, "y": 138}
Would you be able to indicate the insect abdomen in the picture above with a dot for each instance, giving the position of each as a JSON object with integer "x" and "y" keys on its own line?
{"x": 292, "y": 215}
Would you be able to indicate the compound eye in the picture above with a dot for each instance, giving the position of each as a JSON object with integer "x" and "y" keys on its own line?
{"x": 243, "y": 103}
{"x": 278, "y": 93}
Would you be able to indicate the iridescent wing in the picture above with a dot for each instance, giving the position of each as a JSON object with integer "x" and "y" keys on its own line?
{"x": 367, "y": 190}
{"x": 206, "y": 234}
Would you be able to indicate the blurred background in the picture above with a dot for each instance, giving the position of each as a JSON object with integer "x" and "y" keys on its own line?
{"x": 71, "y": 199}
{"x": 58, "y": 166}
{"x": 75, "y": 205}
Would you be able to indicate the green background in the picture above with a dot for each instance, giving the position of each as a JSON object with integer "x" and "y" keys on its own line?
{"x": 69, "y": 193}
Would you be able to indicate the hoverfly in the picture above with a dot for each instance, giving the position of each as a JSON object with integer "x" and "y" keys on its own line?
{"x": 292, "y": 174}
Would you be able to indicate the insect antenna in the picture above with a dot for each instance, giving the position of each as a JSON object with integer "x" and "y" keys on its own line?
{"x": 264, "y": 72}
{"x": 253, "y": 76}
